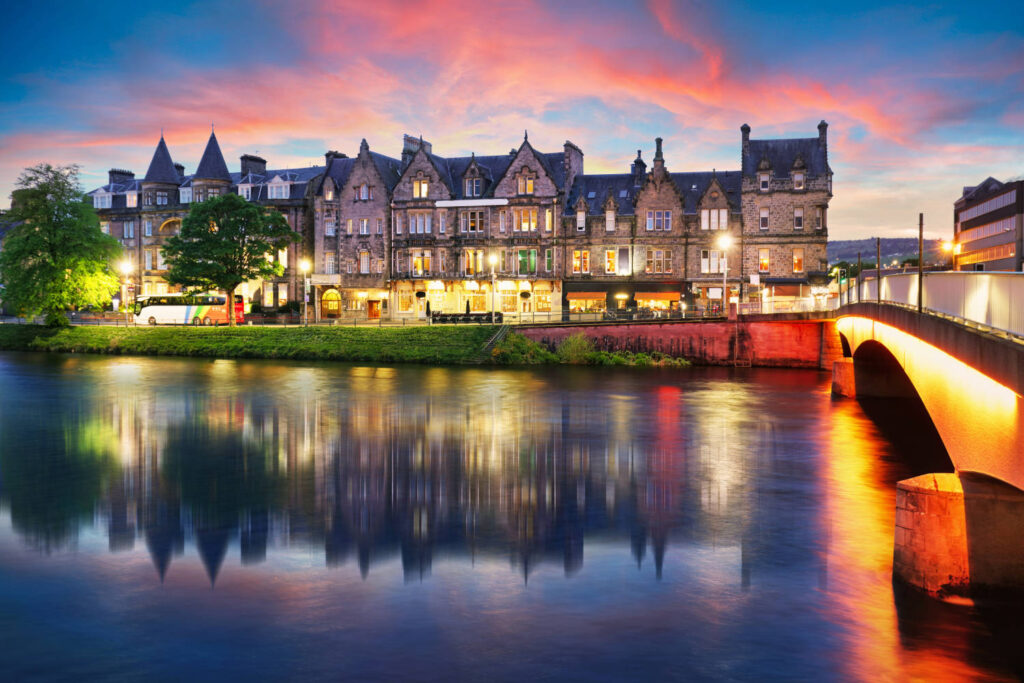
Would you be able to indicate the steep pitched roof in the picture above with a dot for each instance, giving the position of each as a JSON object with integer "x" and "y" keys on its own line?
{"x": 781, "y": 154}
{"x": 212, "y": 166}
{"x": 594, "y": 189}
{"x": 161, "y": 167}
{"x": 693, "y": 185}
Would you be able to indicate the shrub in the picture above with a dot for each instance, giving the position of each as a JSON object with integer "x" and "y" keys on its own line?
{"x": 574, "y": 349}
{"x": 515, "y": 349}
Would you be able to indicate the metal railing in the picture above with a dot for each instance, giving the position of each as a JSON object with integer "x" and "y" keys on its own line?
{"x": 991, "y": 300}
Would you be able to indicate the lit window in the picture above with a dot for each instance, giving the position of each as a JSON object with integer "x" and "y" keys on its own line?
{"x": 798, "y": 181}
{"x": 105, "y": 228}
{"x": 527, "y": 261}
{"x": 798, "y": 219}
{"x": 328, "y": 193}
{"x": 764, "y": 219}
{"x": 549, "y": 222}
{"x": 282, "y": 257}
{"x": 131, "y": 200}
{"x": 364, "y": 262}
{"x": 798, "y": 260}
{"x": 764, "y": 182}
{"x": 711, "y": 261}
{"x": 525, "y": 220}
{"x": 525, "y": 184}
{"x": 282, "y": 294}
{"x": 420, "y": 188}
{"x": 763, "y": 260}
{"x": 348, "y": 226}
{"x": 581, "y": 261}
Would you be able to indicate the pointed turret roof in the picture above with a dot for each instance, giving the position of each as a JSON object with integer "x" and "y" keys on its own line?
{"x": 161, "y": 168}
{"x": 212, "y": 166}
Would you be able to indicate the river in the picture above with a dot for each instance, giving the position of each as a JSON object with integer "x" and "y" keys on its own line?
{"x": 196, "y": 519}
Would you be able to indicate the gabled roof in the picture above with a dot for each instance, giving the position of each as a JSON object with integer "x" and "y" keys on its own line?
{"x": 622, "y": 186}
{"x": 161, "y": 167}
{"x": 782, "y": 154}
{"x": 493, "y": 169}
{"x": 212, "y": 165}
{"x": 692, "y": 187}
{"x": 340, "y": 168}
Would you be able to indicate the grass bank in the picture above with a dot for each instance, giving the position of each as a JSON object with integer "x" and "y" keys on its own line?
{"x": 448, "y": 345}
{"x": 440, "y": 345}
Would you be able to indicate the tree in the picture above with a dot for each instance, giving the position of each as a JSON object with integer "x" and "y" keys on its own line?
{"x": 224, "y": 242}
{"x": 55, "y": 257}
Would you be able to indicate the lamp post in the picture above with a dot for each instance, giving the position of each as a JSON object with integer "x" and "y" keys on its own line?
{"x": 493, "y": 260}
{"x": 724, "y": 242}
{"x": 304, "y": 266}
{"x": 126, "y": 270}
{"x": 839, "y": 274}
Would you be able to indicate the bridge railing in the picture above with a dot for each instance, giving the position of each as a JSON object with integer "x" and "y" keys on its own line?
{"x": 994, "y": 300}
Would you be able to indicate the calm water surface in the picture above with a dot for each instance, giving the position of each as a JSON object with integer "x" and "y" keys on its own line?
{"x": 180, "y": 519}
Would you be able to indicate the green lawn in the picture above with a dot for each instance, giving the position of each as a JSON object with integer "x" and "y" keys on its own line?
{"x": 443, "y": 345}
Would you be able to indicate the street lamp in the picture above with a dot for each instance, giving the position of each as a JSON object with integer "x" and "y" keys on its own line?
{"x": 493, "y": 260}
{"x": 840, "y": 275}
{"x": 952, "y": 249}
{"x": 724, "y": 242}
{"x": 304, "y": 266}
{"x": 126, "y": 270}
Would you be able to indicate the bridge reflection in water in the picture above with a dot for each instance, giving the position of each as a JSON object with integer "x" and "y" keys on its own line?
{"x": 741, "y": 521}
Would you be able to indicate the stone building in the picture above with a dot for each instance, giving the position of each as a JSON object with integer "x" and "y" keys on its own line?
{"x": 479, "y": 233}
{"x": 351, "y": 237}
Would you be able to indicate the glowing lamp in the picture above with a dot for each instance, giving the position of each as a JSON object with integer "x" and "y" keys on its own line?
{"x": 304, "y": 265}
{"x": 126, "y": 267}
{"x": 724, "y": 241}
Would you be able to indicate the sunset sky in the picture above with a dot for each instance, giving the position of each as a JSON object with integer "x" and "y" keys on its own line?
{"x": 921, "y": 100}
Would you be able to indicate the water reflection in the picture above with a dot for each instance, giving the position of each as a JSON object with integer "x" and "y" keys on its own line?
{"x": 764, "y": 506}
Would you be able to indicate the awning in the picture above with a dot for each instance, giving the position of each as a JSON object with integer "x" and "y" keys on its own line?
{"x": 588, "y": 296}
{"x": 657, "y": 296}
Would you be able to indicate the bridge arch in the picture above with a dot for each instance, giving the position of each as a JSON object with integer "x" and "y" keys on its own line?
{"x": 980, "y": 421}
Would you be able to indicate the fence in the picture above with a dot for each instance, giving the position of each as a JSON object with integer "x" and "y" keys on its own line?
{"x": 992, "y": 300}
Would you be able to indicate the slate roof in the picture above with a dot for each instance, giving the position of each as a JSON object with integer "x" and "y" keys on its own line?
{"x": 493, "y": 168}
{"x": 161, "y": 167}
{"x": 340, "y": 169}
{"x": 212, "y": 166}
{"x": 781, "y": 154}
{"x": 986, "y": 187}
{"x": 299, "y": 178}
{"x": 691, "y": 186}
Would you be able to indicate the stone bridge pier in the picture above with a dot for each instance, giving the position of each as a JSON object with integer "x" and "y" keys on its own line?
{"x": 958, "y": 534}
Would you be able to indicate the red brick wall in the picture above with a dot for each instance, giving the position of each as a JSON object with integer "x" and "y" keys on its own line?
{"x": 790, "y": 344}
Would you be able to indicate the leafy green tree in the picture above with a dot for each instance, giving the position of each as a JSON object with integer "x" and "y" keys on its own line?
{"x": 55, "y": 257}
{"x": 224, "y": 242}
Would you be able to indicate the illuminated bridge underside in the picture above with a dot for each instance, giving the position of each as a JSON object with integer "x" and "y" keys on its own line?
{"x": 979, "y": 417}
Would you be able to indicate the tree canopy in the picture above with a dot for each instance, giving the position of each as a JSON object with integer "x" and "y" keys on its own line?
{"x": 55, "y": 257}
{"x": 224, "y": 242}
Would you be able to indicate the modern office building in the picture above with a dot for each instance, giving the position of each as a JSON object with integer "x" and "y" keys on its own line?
{"x": 988, "y": 227}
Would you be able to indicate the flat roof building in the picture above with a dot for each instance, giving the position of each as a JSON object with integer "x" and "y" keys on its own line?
{"x": 988, "y": 227}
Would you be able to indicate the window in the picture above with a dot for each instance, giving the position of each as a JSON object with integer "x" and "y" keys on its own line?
{"x": 798, "y": 219}
{"x": 148, "y": 256}
{"x": 623, "y": 261}
{"x": 998, "y": 202}
{"x": 501, "y": 221}
{"x": 420, "y": 261}
{"x": 244, "y": 190}
{"x": 348, "y": 266}
{"x": 348, "y": 226}
{"x": 668, "y": 262}
{"x": 525, "y": 185}
{"x": 380, "y": 226}
{"x": 798, "y": 181}
{"x": 819, "y": 218}
{"x": 609, "y": 221}
{"x": 473, "y": 187}
{"x": 131, "y": 200}
{"x": 764, "y": 219}
{"x": 282, "y": 294}
{"x": 330, "y": 263}
{"x": 668, "y": 220}
{"x": 160, "y": 263}
{"x": 364, "y": 192}
{"x": 161, "y": 198}
{"x": 581, "y": 261}
{"x": 548, "y": 220}
{"x": 147, "y": 228}
{"x": 420, "y": 188}
{"x": 278, "y": 190}
{"x": 798, "y": 260}
{"x": 543, "y": 302}
{"x": 129, "y": 229}
{"x": 763, "y": 260}
{"x": 524, "y": 220}
{"x": 185, "y": 195}
{"x": 609, "y": 261}
{"x": 101, "y": 201}
{"x": 161, "y": 288}
{"x": 329, "y": 227}
{"x": 658, "y": 261}
{"x": 527, "y": 261}
{"x": 581, "y": 220}
{"x": 764, "y": 182}
{"x": 210, "y": 194}
{"x": 105, "y": 227}
{"x": 473, "y": 261}
{"x": 549, "y": 260}
{"x": 404, "y": 302}
{"x": 398, "y": 223}
{"x": 364, "y": 226}
{"x": 328, "y": 193}
{"x": 282, "y": 257}
{"x": 472, "y": 221}
{"x": 711, "y": 261}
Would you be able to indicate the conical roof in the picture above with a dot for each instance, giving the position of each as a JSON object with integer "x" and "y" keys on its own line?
{"x": 161, "y": 168}
{"x": 212, "y": 166}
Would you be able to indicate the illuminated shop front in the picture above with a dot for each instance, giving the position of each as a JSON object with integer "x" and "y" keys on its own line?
{"x": 509, "y": 297}
{"x": 331, "y": 301}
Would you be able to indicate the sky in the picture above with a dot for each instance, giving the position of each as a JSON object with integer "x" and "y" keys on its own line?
{"x": 921, "y": 99}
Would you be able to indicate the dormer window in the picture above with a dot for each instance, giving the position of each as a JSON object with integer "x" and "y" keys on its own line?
{"x": 525, "y": 184}
{"x": 245, "y": 191}
{"x": 763, "y": 178}
{"x": 581, "y": 220}
{"x": 328, "y": 194}
{"x": 420, "y": 188}
{"x": 474, "y": 187}
{"x": 798, "y": 181}
{"x": 609, "y": 220}
{"x": 186, "y": 195}
{"x": 101, "y": 200}
{"x": 131, "y": 200}
{"x": 278, "y": 191}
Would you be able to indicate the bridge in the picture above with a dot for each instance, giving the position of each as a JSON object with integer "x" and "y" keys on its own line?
{"x": 956, "y": 341}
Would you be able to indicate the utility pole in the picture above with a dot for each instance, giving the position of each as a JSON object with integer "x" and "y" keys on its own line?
{"x": 920, "y": 261}
{"x": 859, "y": 271}
{"x": 878, "y": 270}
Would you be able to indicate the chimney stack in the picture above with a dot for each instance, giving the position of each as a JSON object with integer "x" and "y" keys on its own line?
{"x": 253, "y": 164}
{"x": 119, "y": 176}
{"x": 180, "y": 168}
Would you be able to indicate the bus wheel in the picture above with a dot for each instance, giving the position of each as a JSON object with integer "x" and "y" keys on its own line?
{"x": 197, "y": 321}
{"x": 207, "y": 321}
{"x": 152, "y": 320}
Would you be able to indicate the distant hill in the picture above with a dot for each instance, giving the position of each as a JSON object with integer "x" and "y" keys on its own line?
{"x": 893, "y": 249}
